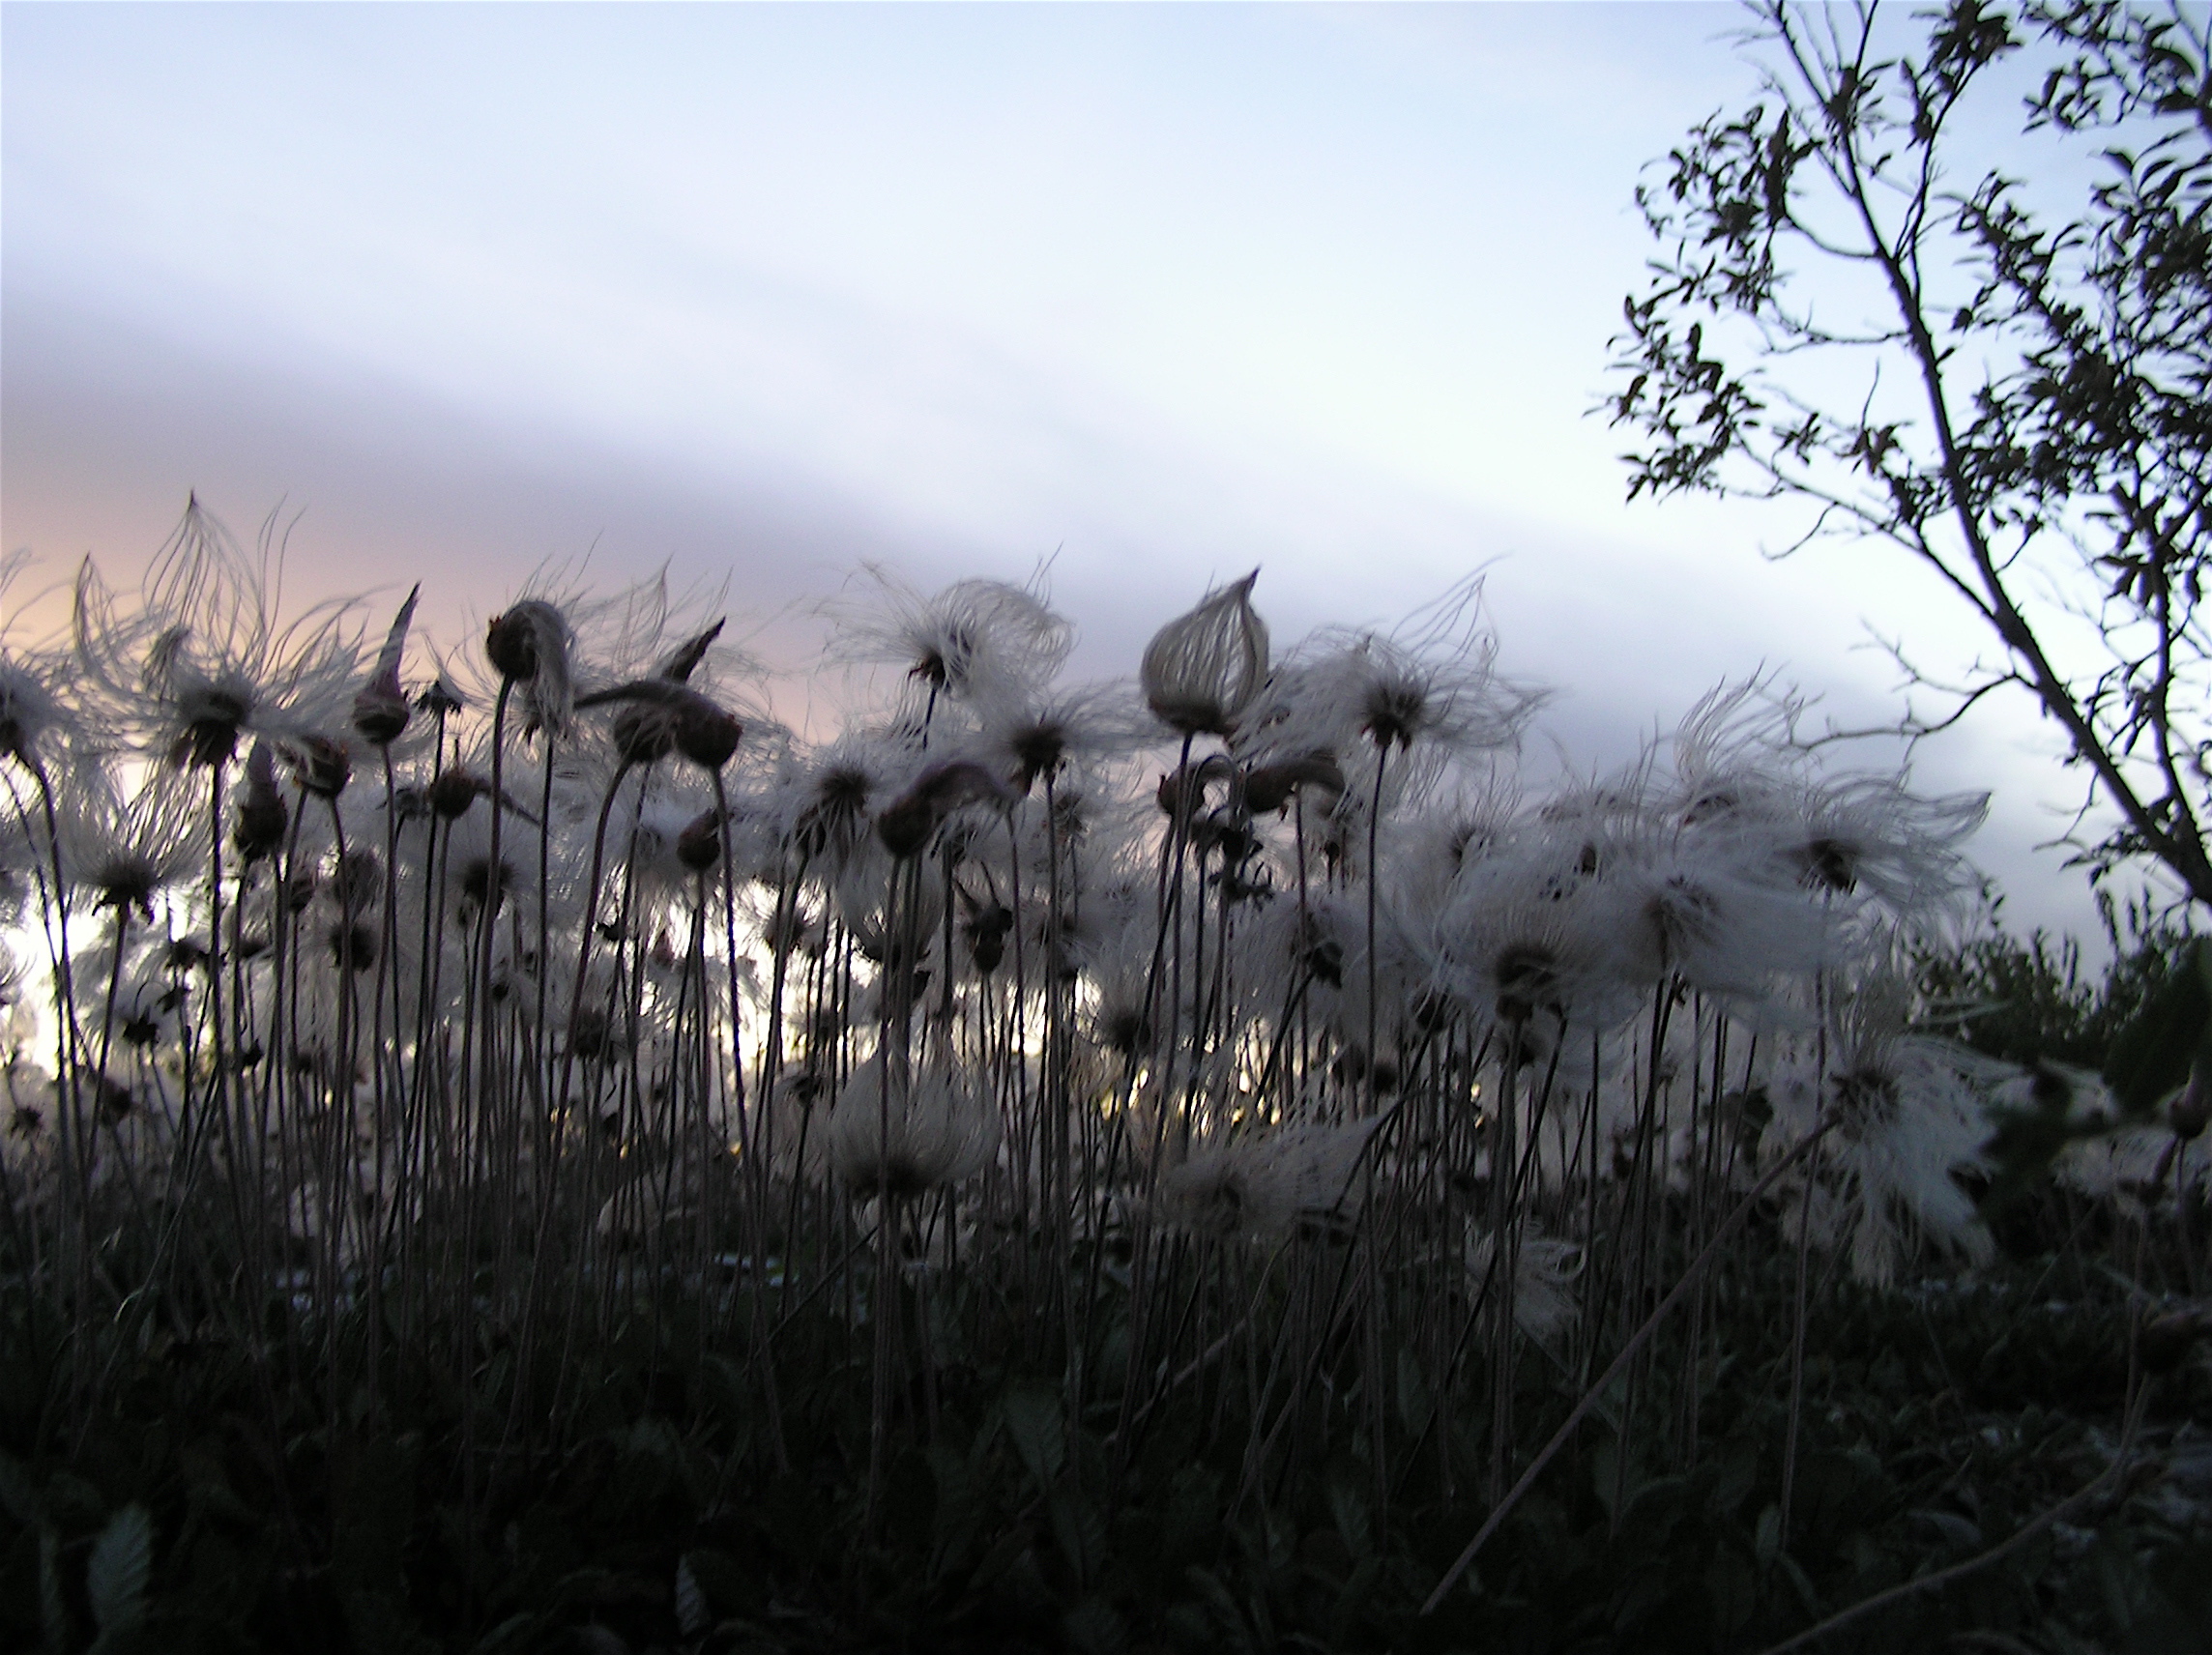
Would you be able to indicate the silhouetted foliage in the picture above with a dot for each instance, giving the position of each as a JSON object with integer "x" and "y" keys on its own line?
{"x": 1848, "y": 310}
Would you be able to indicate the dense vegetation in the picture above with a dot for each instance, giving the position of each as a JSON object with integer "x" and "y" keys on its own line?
{"x": 517, "y": 1151}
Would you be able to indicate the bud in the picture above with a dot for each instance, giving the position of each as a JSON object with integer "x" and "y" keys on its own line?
{"x": 321, "y": 766}
{"x": 658, "y": 717}
{"x": 2188, "y": 1112}
{"x": 529, "y": 644}
{"x": 699, "y": 846}
{"x": 905, "y": 825}
{"x": 262, "y": 817}
{"x": 1201, "y": 671}
{"x": 511, "y": 642}
{"x": 1271, "y": 786}
{"x": 704, "y": 734}
{"x": 453, "y": 792}
{"x": 380, "y": 712}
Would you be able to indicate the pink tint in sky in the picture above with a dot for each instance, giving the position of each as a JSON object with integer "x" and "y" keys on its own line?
{"x": 762, "y": 293}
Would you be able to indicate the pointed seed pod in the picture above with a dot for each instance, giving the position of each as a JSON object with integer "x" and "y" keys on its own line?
{"x": 677, "y": 668}
{"x": 380, "y": 712}
{"x": 262, "y": 816}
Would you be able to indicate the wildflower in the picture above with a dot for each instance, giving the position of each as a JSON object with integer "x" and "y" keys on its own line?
{"x": 1035, "y": 737}
{"x": 127, "y": 852}
{"x": 906, "y": 1131}
{"x": 974, "y": 636}
{"x": 1904, "y": 1114}
{"x": 1419, "y": 697}
{"x": 826, "y": 804}
{"x": 1688, "y": 908}
{"x": 1525, "y": 943}
{"x": 213, "y": 664}
{"x": 443, "y": 699}
{"x": 28, "y": 710}
{"x": 1203, "y": 669}
{"x": 1741, "y": 774}
{"x": 1269, "y": 1184}
{"x": 1543, "y": 1270}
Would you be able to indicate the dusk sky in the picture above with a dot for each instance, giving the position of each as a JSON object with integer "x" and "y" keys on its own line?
{"x": 1159, "y": 293}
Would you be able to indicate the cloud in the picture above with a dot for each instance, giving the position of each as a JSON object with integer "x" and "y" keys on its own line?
{"x": 951, "y": 292}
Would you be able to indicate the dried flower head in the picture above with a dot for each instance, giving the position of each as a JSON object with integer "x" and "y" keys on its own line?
{"x": 528, "y": 644}
{"x": 1203, "y": 669}
{"x": 907, "y": 1131}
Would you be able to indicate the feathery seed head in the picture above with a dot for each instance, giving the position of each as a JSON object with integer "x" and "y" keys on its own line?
{"x": 903, "y": 1131}
{"x": 1204, "y": 668}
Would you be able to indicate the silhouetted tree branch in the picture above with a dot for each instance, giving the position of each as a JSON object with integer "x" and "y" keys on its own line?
{"x": 2024, "y": 406}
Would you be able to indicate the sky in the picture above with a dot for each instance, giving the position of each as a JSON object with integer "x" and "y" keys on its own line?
{"x": 1153, "y": 295}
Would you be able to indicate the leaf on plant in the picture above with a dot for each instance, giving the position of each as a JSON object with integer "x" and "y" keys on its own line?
{"x": 116, "y": 1574}
{"x": 1032, "y": 1421}
{"x": 53, "y": 1611}
{"x": 1093, "y": 1627}
{"x": 1767, "y": 1541}
{"x": 1350, "y": 1511}
{"x": 693, "y": 1616}
{"x": 1228, "y": 1618}
{"x": 1080, "y": 1530}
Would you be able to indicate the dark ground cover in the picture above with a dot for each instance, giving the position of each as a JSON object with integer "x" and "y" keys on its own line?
{"x": 213, "y": 1505}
